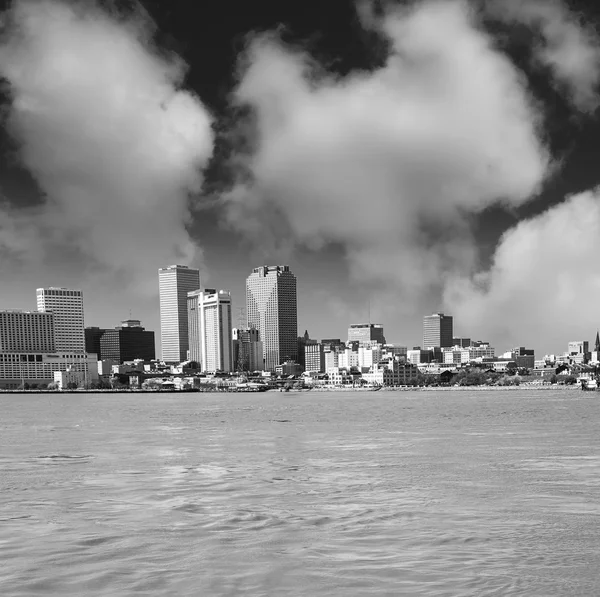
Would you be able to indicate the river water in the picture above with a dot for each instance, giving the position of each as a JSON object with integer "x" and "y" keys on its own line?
{"x": 300, "y": 494}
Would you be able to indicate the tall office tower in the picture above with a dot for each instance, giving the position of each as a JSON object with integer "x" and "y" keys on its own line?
{"x": 29, "y": 331}
{"x": 209, "y": 313}
{"x": 366, "y": 332}
{"x": 437, "y": 331}
{"x": 272, "y": 309}
{"x": 175, "y": 281}
{"x": 67, "y": 306}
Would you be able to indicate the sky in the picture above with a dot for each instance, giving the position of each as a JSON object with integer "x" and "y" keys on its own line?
{"x": 402, "y": 158}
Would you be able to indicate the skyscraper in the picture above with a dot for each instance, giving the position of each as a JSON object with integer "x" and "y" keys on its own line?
{"x": 175, "y": 281}
{"x": 209, "y": 314}
{"x": 66, "y": 305}
{"x": 271, "y": 308}
{"x": 437, "y": 331}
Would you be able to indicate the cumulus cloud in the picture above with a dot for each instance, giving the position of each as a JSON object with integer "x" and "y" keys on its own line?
{"x": 568, "y": 47}
{"x": 542, "y": 289}
{"x": 110, "y": 136}
{"x": 388, "y": 163}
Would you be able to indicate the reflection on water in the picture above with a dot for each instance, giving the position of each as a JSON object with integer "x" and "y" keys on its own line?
{"x": 315, "y": 494}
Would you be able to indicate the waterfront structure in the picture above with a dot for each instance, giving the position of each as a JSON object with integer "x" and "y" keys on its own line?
{"x": 26, "y": 331}
{"x": 247, "y": 349}
{"x": 66, "y": 305}
{"x": 366, "y": 332}
{"x": 127, "y": 342}
{"x": 209, "y": 314}
{"x": 175, "y": 281}
{"x": 437, "y": 331}
{"x": 271, "y": 308}
{"x": 19, "y": 369}
{"x": 391, "y": 373}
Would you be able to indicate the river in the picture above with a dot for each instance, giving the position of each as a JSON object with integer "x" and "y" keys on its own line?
{"x": 300, "y": 494}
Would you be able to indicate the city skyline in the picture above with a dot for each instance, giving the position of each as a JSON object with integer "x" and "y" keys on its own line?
{"x": 411, "y": 160}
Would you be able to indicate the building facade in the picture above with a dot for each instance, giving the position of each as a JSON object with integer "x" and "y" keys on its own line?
{"x": 437, "y": 331}
{"x": 127, "y": 342}
{"x": 66, "y": 304}
{"x": 209, "y": 313}
{"x": 247, "y": 350}
{"x": 175, "y": 281}
{"x": 314, "y": 358}
{"x": 366, "y": 332}
{"x": 26, "y": 331}
{"x": 271, "y": 308}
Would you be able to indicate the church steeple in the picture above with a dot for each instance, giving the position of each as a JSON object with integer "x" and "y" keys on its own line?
{"x": 597, "y": 347}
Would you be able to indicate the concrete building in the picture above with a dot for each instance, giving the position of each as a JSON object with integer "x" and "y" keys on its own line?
{"x": 18, "y": 369}
{"x": 437, "y": 331}
{"x": 391, "y": 373}
{"x": 366, "y": 332}
{"x": 247, "y": 350}
{"x": 66, "y": 304}
{"x": 175, "y": 281}
{"x": 271, "y": 308}
{"x": 314, "y": 358}
{"x": 210, "y": 340}
{"x": 26, "y": 331}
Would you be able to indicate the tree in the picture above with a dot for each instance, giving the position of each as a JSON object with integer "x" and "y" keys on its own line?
{"x": 72, "y": 385}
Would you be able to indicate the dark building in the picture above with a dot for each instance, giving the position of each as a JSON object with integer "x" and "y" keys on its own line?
{"x": 437, "y": 331}
{"x": 92, "y": 340}
{"x": 127, "y": 342}
{"x": 462, "y": 342}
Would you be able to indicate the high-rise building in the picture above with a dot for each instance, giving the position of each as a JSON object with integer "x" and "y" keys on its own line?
{"x": 247, "y": 350}
{"x": 366, "y": 332}
{"x": 175, "y": 281}
{"x": 314, "y": 358}
{"x": 127, "y": 342}
{"x": 209, "y": 314}
{"x": 30, "y": 331}
{"x": 66, "y": 305}
{"x": 271, "y": 307}
{"x": 437, "y": 331}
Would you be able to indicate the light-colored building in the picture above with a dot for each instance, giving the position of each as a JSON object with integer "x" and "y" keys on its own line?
{"x": 314, "y": 358}
{"x": 66, "y": 305}
{"x": 210, "y": 329}
{"x": 332, "y": 359}
{"x": 271, "y": 308}
{"x": 174, "y": 282}
{"x": 437, "y": 331}
{"x": 369, "y": 355}
{"x": 391, "y": 373}
{"x": 18, "y": 369}
{"x": 366, "y": 332}
{"x": 347, "y": 358}
{"x": 26, "y": 331}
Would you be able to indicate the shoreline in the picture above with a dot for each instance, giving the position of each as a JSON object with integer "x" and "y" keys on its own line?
{"x": 484, "y": 388}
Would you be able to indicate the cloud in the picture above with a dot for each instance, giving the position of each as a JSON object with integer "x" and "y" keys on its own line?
{"x": 542, "y": 289}
{"x": 389, "y": 163}
{"x": 569, "y": 47}
{"x": 111, "y": 138}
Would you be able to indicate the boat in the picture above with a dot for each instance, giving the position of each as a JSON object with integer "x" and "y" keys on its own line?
{"x": 251, "y": 386}
{"x": 589, "y": 385}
